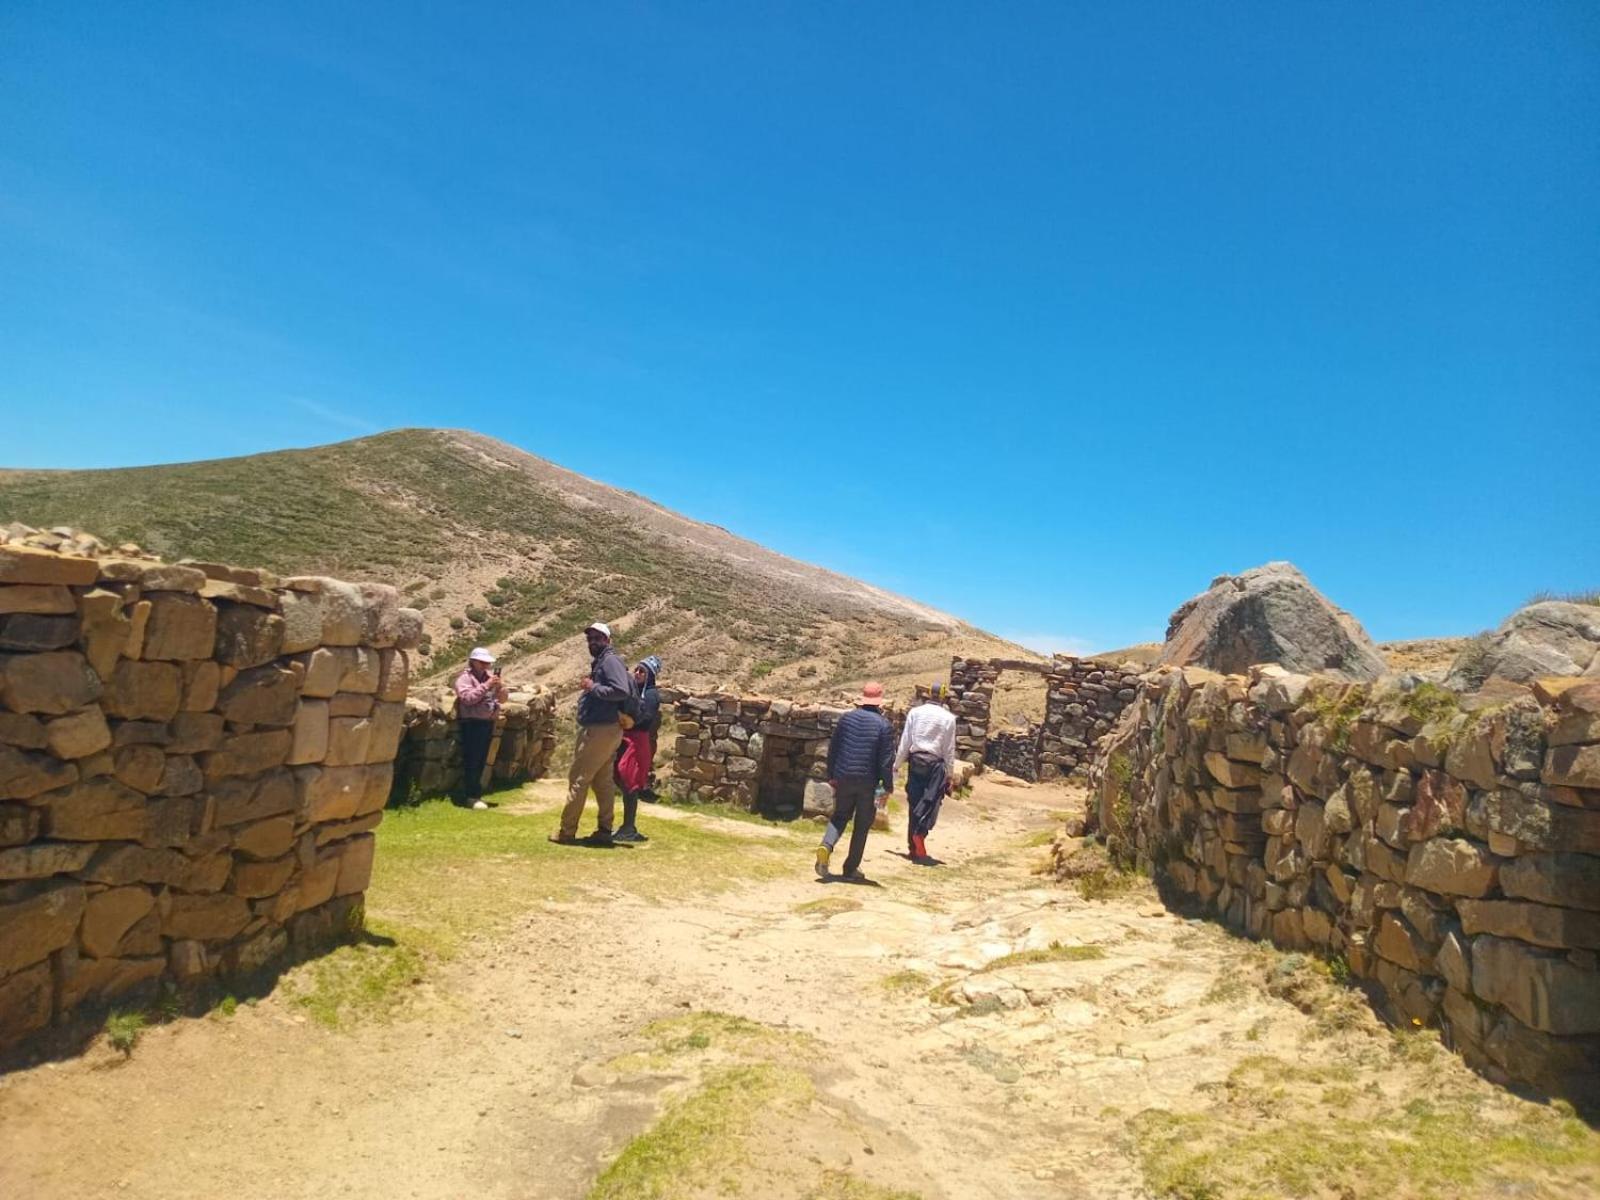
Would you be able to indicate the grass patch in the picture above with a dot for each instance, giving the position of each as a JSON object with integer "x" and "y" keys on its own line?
{"x": 906, "y": 981}
{"x": 837, "y": 1185}
{"x": 444, "y": 873}
{"x": 1054, "y": 952}
{"x": 1281, "y": 1129}
{"x": 123, "y": 1030}
{"x": 696, "y": 1145}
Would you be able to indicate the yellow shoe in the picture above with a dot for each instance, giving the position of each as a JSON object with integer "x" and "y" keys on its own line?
{"x": 822, "y": 862}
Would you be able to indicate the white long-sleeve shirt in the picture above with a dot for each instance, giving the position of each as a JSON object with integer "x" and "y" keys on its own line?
{"x": 930, "y": 729}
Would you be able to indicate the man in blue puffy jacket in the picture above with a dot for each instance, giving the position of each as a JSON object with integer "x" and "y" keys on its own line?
{"x": 860, "y": 759}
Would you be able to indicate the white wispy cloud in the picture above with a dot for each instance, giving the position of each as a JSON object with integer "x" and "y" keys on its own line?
{"x": 332, "y": 415}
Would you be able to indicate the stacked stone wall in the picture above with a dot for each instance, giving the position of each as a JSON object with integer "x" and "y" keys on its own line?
{"x": 1083, "y": 700}
{"x": 429, "y": 761}
{"x": 192, "y": 760}
{"x": 721, "y": 743}
{"x": 1447, "y": 848}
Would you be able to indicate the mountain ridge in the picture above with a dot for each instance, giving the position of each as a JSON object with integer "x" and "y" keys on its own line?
{"x": 502, "y": 547}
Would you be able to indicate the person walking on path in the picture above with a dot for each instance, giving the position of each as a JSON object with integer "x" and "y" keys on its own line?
{"x": 479, "y": 694}
{"x": 860, "y": 758}
{"x": 607, "y": 691}
{"x": 638, "y": 753}
{"x": 928, "y": 743}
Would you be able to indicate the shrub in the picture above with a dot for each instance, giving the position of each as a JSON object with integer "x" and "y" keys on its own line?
{"x": 477, "y": 615}
{"x": 458, "y": 623}
{"x": 123, "y": 1030}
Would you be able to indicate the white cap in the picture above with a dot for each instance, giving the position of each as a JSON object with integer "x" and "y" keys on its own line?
{"x": 600, "y": 627}
{"x": 479, "y": 654}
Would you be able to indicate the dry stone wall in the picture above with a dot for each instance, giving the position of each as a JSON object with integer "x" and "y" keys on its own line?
{"x": 429, "y": 762}
{"x": 755, "y": 752}
{"x": 1084, "y": 698}
{"x": 1448, "y": 853}
{"x": 192, "y": 760}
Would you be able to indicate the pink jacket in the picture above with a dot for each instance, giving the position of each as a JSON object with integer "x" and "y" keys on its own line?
{"x": 477, "y": 700}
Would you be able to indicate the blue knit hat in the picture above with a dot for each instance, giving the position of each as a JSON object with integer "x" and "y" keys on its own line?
{"x": 652, "y": 667}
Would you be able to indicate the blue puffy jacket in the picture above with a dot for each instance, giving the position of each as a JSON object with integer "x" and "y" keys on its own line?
{"x": 862, "y": 748}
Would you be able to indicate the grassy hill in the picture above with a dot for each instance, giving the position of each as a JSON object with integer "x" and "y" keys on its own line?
{"x": 497, "y": 546}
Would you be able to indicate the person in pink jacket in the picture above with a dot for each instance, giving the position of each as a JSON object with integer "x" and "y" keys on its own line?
{"x": 479, "y": 694}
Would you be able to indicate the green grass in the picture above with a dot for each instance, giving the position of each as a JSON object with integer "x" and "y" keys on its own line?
{"x": 123, "y": 1030}
{"x": 908, "y": 981}
{"x": 828, "y": 906}
{"x": 1054, "y": 952}
{"x": 1588, "y": 596}
{"x": 1281, "y": 1129}
{"x": 696, "y": 1144}
{"x": 836, "y": 1185}
{"x": 443, "y": 874}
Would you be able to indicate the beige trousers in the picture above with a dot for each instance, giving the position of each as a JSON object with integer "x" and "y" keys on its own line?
{"x": 592, "y": 760}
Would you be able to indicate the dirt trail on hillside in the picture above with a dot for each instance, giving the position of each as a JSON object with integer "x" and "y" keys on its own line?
{"x": 511, "y": 1076}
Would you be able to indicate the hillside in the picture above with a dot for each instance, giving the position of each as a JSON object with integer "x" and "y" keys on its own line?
{"x": 497, "y": 546}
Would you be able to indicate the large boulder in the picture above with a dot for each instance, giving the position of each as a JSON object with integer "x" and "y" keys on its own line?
{"x": 1552, "y": 637}
{"x": 1270, "y": 614}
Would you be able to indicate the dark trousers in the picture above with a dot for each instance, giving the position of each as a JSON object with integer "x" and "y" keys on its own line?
{"x": 475, "y": 738}
{"x": 853, "y": 799}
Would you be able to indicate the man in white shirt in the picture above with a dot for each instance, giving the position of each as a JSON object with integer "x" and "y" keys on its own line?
{"x": 928, "y": 743}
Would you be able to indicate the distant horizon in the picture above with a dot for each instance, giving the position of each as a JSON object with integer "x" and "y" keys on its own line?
{"x": 1039, "y": 643}
{"x": 1043, "y": 314}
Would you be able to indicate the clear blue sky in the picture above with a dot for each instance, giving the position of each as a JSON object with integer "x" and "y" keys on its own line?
{"x": 1043, "y": 313}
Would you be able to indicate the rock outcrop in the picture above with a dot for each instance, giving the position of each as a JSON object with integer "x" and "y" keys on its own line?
{"x": 1550, "y": 638}
{"x": 1270, "y": 614}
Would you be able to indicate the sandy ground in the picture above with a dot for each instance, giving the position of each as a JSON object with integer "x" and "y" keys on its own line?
{"x": 503, "y": 1084}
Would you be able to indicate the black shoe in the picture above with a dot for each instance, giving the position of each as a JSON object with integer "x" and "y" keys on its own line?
{"x": 631, "y": 836}
{"x": 600, "y": 837}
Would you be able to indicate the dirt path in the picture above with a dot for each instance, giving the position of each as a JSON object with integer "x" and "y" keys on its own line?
{"x": 532, "y": 1061}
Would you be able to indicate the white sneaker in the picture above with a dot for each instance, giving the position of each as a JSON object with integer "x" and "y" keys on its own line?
{"x": 479, "y": 806}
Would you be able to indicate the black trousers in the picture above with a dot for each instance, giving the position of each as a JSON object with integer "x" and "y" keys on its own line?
{"x": 475, "y": 738}
{"x": 853, "y": 799}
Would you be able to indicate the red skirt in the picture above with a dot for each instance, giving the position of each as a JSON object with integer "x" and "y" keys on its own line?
{"x": 638, "y": 756}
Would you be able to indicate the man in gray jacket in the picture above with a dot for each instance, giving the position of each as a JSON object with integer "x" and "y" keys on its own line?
{"x": 606, "y": 690}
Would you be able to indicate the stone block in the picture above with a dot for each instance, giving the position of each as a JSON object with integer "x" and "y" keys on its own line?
{"x": 22, "y": 730}
{"x": 359, "y": 669}
{"x": 394, "y": 675}
{"x": 139, "y": 767}
{"x": 205, "y": 918}
{"x": 409, "y": 629}
{"x": 323, "y": 670}
{"x": 319, "y": 879}
{"x": 181, "y": 776}
{"x": 302, "y": 621}
{"x": 350, "y": 704}
{"x": 79, "y": 734}
{"x": 388, "y": 726}
{"x": 349, "y": 739}
{"x": 171, "y": 820}
{"x": 189, "y": 960}
{"x": 144, "y": 691}
{"x": 341, "y": 830}
{"x": 27, "y": 564}
{"x": 261, "y": 695}
{"x": 202, "y": 679}
{"x": 379, "y": 783}
{"x": 1544, "y": 991}
{"x": 1451, "y": 867}
{"x": 329, "y": 793}
{"x": 109, "y": 915}
{"x": 243, "y": 801}
{"x": 1539, "y": 924}
{"x": 1573, "y": 766}
{"x": 55, "y": 683}
{"x": 355, "y": 865}
{"x": 194, "y": 733}
{"x": 19, "y": 825}
{"x": 36, "y": 634}
{"x": 1568, "y": 880}
{"x": 36, "y": 927}
{"x": 94, "y": 810}
{"x": 37, "y": 599}
{"x": 269, "y": 838}
{"x": 97, "y": 980}
{"x": 247, "y": 754}
{"x": 247, "y": 636}
{"x": 342, "y": 613}
{"x": 310, "y": 731}
{"x": 26, "y": 1001}
{"x": 1402, "y": 945}
{"x": 256, "y": 953}
{"x": 180, "y": 626}
{"x": 380, "y": 615}
{"x": 1535, "y": 819}
{"x": 40, "y": 860}
{"x": 264, "y": 878}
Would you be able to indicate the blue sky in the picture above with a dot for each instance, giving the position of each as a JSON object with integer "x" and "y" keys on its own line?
{"x": 1043, "y": 313}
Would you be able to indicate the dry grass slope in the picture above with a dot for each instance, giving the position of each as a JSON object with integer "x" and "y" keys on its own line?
{"x": 499, "y": 547}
